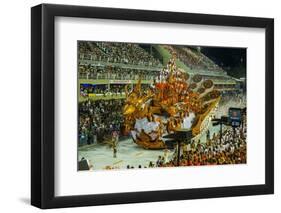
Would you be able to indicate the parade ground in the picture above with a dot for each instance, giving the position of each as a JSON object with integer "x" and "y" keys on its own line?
{"x": 128, "y": 153}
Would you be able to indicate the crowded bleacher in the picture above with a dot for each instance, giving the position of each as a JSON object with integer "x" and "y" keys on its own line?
{"x": 124, "y": 53}
{"x": 115, "y": 73}
{"x": 193, "y": 58}
{"x": 122, "y": 62}
{"x": 105, "y": 90}
{"x": 97, "y": 119}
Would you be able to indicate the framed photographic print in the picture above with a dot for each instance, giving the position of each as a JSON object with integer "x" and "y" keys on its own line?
{"x": 139, "y": 106}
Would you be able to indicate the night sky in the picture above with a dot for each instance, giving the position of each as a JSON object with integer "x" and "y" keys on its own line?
{"x": 232, "y": 60}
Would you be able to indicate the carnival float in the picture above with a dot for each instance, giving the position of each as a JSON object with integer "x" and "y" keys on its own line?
{"x": 174, "y": 101}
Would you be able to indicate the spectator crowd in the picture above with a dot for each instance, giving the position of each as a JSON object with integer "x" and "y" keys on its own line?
{"x": 115, "y": 73}
{"x": 231, "y": 150}
{"x": 111, "y": 52}
{"x": 107, "y": 90}
{"x": 98, "y": 119}
{"x": 193, "y": 58}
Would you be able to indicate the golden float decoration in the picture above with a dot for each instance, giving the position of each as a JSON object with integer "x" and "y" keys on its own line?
{"x": 173, "y": 98}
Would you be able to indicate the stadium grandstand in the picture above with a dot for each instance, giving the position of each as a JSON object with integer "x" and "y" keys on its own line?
{"x": 194, "y": 62}
{"x": 105, "y": 68}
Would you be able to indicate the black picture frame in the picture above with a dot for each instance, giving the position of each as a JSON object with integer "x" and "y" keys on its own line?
{"x": 43, "y": 105}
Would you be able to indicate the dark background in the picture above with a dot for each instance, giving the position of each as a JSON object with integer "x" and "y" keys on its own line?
{"x": 232, "y": 60}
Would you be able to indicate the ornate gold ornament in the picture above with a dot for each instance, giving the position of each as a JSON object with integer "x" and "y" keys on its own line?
{"x": 174, "y": 101}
